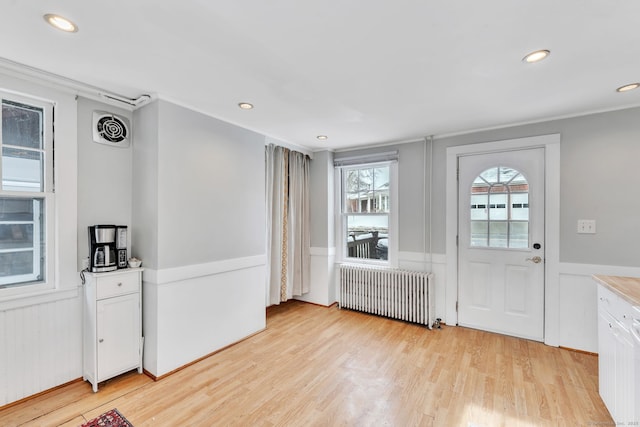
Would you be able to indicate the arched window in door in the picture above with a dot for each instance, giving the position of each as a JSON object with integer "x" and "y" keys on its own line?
{"x": 500, "y": 209}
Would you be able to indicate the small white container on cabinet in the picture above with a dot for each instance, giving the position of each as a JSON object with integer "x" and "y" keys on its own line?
{"x": 112, "y": 324}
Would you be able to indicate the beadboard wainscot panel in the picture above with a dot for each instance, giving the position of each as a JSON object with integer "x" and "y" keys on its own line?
{"x": 41, "y": 345}
{"x": 322, "y": 290}
{"x": 578, "y": 303}
{"x": 192, "y": 311}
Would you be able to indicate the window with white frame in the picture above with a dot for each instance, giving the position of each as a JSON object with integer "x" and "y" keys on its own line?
{"x": 26, "y": 191}
{"x": 366, "y": 205}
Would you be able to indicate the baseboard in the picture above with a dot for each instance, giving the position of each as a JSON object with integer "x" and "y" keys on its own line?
{"x": 33, "y": 396}
{"x": 315, "y": 303}
{"x": 575, "y": 350}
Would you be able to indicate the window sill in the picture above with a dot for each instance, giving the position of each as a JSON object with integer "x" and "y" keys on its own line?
{"x": 366, "y": 262}
{"x": 35, "y": 298}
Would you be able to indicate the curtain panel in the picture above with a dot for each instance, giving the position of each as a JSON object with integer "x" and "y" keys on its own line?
{"x": 288, "y": 233}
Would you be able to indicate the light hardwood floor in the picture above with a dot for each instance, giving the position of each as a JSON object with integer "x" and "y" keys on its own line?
{"x": 317, "y": 366}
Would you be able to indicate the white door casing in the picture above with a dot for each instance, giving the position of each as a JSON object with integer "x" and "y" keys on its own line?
{"x": 551, "y": 144}
{"x": 501, "y": 274}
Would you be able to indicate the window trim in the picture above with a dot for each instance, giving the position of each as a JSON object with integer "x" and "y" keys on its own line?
{"x": 340, "y": 216}
{"x": 10, "y": 291}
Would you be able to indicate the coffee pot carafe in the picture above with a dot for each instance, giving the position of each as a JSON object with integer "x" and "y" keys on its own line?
{"x": 102, "y": 248}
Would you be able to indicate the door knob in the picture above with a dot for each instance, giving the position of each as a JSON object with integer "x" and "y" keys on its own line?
{"x": 535, "y": 259}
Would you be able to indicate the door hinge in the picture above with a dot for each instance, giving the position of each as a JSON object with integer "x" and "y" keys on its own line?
{"x": 456, "y": 306}
{"x": 456, "y": 240}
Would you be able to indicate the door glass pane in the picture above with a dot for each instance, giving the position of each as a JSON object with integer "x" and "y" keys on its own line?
{"x": 519, "y": 234}
{"x": 479, "y": 233}
{"x": 498, "y": 234}
{"x": 500, "y": 209}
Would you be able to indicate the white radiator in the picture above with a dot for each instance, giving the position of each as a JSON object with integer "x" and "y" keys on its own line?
{"x": 398, "y": 294}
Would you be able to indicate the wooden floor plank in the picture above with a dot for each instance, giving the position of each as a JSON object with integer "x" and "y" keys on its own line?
{"x": 317, "y": 366}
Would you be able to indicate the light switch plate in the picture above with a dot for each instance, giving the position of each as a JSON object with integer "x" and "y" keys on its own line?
{"x": 586, "y": 226}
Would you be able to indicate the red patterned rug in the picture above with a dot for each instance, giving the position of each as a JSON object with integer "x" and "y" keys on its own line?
{"x": 111, "y": 418}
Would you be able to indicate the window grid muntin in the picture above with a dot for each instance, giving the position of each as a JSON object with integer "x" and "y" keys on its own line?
{"x": 499, "y": 181}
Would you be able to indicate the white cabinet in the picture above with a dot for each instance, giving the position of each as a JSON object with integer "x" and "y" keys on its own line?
{"x": 616, "y": 364}
{"x": 112, "y": 324}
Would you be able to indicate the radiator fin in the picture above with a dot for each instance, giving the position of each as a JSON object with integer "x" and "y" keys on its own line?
{"x": 397, "y": 294}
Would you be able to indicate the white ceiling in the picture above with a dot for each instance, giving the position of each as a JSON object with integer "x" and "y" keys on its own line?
{"x": 360, "y": 71}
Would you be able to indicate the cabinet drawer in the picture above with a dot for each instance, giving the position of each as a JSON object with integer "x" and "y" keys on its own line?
{"x": 112, "y": 286}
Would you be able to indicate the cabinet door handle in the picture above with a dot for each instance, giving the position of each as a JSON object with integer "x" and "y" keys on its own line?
{"x": 119, "y": 283}
{"x": 101, "y": 340}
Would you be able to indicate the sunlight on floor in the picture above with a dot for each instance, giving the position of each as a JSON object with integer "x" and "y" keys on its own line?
{"x": 479, "y": 416}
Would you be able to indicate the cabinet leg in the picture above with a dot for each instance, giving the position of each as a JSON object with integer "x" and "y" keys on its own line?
{"x": 95, "y": 387}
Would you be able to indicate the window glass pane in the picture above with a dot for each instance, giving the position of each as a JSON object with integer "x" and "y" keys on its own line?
{"x": 16, "y": 236}
{"x": 520, "y": 206}
{"x": 22, "y": 241}
{"x": 479, "y": 233}
{"x": 366, "y": 190}
{"x": 15, "y": 210}
{"x": 16, "y": 263}
{"x": 367, "y": 236}
{"x": 519, "y": 235}
{"x": 22, "y": 170}
{"x": 380, "y": 196}
{"x": 21, "y": 125}
{"x": 22, "y": 147}
{"x": 498, "y": 234}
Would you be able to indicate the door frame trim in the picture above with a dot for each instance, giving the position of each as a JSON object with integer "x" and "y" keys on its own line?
{"x": 551, "y": 145}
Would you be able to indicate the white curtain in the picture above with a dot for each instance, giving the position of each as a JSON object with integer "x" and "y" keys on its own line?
{"x": 287, "y": 212}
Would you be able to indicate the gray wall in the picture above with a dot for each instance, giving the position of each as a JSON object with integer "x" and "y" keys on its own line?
{"x": 209, "y": 189}
{"x": 600, "y": 170}
{"x": 104, "y": 177}
{"x": 144, "y": 233}
{"x": 321, "y": 200}
{"x": 599, "y": 174}
{"x": 413, "y": 195}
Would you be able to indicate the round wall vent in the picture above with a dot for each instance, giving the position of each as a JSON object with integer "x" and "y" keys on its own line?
{"x": 110, "y": 129}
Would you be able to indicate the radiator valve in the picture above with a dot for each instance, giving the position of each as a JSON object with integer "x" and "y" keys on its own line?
{"x": 436, "y": 324}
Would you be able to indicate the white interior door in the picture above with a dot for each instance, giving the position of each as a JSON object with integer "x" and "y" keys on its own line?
{"x": 500, "y": 242}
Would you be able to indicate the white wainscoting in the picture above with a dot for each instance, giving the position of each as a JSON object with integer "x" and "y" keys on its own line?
{"x": 192, "y": 311}
{"x": 578, "y": 328}
{"x": 322, "y": 289}
{"x": 40, "y": 346}
{"x": 577, "y": 308}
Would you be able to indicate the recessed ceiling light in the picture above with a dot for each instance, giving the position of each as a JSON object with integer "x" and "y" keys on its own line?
{"x": 536, "y": 56}
{"x": 322, "y": 137}
{"x": 245, "y": 106}
{"x": 61, "y": 23}
{"x": 628, "y": 87}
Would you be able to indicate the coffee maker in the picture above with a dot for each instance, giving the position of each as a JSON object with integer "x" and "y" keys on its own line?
{"x": 102, "y": 248}
{"x": 121, "y": 245}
